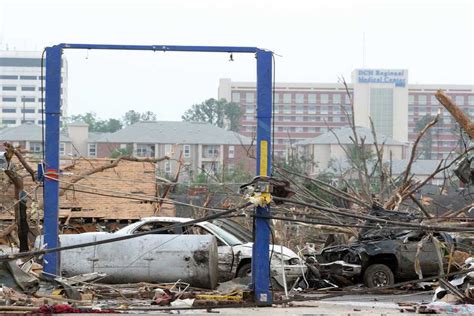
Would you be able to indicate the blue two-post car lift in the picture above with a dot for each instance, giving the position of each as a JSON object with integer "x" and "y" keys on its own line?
{"x": 260, "y": 262}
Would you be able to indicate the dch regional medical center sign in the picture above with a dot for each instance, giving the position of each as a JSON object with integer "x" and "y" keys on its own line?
{"x": 397, "y": 77}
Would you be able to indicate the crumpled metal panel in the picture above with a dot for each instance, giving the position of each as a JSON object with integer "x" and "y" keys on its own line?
{"x": 151, "y": 258}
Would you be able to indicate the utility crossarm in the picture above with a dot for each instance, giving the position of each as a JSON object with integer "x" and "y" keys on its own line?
{"x": 260, "y": 261}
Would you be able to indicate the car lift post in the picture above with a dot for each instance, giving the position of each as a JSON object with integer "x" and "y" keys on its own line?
{"x": 260, "y": 262}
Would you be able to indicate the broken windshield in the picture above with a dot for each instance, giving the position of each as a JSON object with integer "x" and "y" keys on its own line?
{"x": 230, "y": 239}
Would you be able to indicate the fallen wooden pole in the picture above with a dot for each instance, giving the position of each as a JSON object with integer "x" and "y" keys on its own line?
{"x": 458, "y": 114}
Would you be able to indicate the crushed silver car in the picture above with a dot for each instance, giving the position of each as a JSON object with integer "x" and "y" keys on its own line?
{"x": 234, "y": 256}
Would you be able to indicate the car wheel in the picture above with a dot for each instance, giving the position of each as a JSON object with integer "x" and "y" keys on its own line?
{"x": 378, "y": 275}
{"x": 245, "y": 270}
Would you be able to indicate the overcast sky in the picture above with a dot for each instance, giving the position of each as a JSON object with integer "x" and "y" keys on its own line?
{"x": 318, "y": 42}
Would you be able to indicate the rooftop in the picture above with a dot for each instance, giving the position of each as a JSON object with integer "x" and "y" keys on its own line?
{"x": 343, "y": 135}
{"x": 174, "y": 132}
{"x": 25, "y": 132}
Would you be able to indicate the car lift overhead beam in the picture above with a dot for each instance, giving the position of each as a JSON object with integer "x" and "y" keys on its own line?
{"x": 260, "y": 262}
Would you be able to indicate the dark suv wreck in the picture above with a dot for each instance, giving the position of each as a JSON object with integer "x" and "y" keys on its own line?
{"x": 381, "y": 256}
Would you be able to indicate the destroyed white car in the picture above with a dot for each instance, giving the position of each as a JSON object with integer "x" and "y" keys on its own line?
{"x": 234, "y": 255}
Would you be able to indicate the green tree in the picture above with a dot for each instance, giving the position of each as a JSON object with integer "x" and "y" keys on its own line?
{"x": 216, "y": 112}
{"x": 98, "y": 125}
{"x": 90, "y": 118}
{"x": 358, "y": 155}
{"x": 121, "y": 152}
{"x": 132, "y": 117}
{"x": 238, "y": 174}
{"x": 148, "y": 116}
{"x": 108, "y": 126}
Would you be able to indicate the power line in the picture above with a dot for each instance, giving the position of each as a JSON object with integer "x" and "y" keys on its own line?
{"x": 349, "y": 213}
{"x": 14, "y": 256}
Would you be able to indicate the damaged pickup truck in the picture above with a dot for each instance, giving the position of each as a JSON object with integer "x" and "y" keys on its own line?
{"x": 382, "y": 256}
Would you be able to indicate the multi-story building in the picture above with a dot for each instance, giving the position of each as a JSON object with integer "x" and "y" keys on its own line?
{"x": 20, "y": 88}
{"x": 306, "y": 110}
{"x": 422, "y": 102}
{"x": 301, "y": 110}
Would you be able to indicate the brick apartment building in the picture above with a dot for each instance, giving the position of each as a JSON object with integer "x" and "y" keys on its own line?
{"x": 204, "y": 147}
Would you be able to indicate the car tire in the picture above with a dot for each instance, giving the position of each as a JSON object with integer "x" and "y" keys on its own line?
{"x": 245, "y": 270}
{"x": 378, "y": 275}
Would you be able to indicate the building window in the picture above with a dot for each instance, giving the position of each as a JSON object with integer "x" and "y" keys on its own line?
{"x": 27, "y": 88}
{"x": 299, "y": 98}
{"x": 9, "y": 88}
{"x": 459, "y": 100}
{"x": 312, "y": 98}
{"x": 434, "y": 101}
{"x": 92, "y": 150}
{"x": 347, "y": 99}
{"x": 277, "y": 98}
{"x": 27, "y": 110}
{"x": 422, "y": 99}
{"x": 123, "y": 146}
{"x": 287, "y": 109}
{"x": 168, "y": 150}
{"x": 411, "y": 99}
{"x": 35, "y": 147}
{"x": 311, "y": 109}
{"x": 28, "y": 77}
{"x": 236, "y": 97}
{"x": 249, "y": 97}
{"x": 187, "y": 151}
{"x": 249, "y": 117}
{"x": 324, "y": 98}
{"x": 7, "y": 110}
{"x": 212, "y": 151}
{"x": 299, "y": 129}
{"x": 145, "y": 150}
{"x": 8, "y": 122}
{"x": 62, "y": 149}
{"x": 249, "y": 109}
{"x": 470, "y": 100}
{"x": 324, "y": 109}
{"x": 336, "y": 99}
{"x": 8, "y": 77}
{"x": 28, "y": 99}
{"x": 231, "y": 151}
{"x": 167, "y": 167}
{"x": 9, "y": 99}
{"x": 287, "y": 98}
{"x": 299, "y": 109}
{"x": 381, "y": 110}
